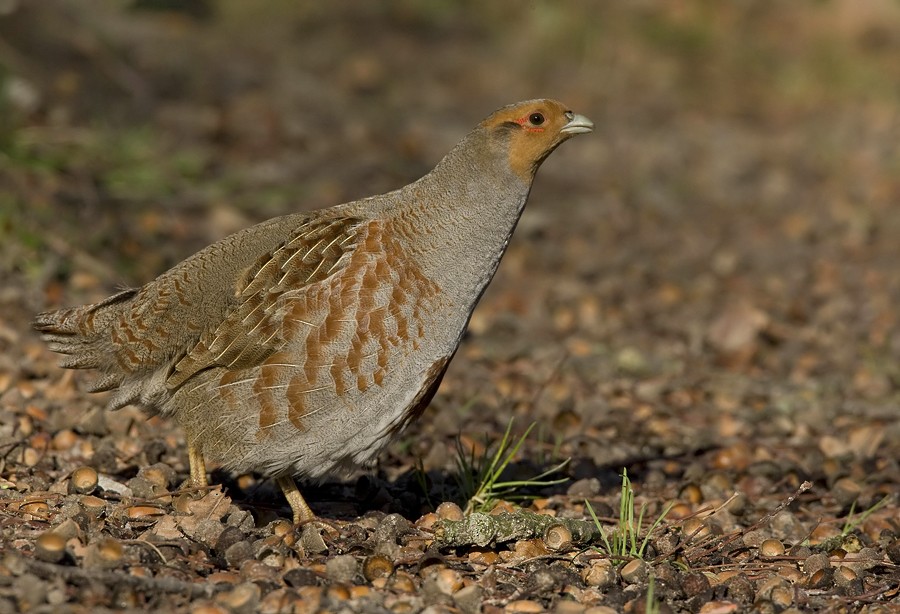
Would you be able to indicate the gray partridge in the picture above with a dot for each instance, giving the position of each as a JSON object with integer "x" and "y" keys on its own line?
{"x": 301, "y": 345}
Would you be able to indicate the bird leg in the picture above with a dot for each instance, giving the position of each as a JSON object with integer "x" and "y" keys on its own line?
{"x": 302, "y": 512}
{"x": 198, "y": 466}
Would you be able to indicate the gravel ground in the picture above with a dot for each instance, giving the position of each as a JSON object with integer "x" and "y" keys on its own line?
{"x": 702, "y": 293}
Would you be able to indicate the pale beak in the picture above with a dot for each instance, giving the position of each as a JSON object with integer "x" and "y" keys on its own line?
{"x": 577, "y": 125}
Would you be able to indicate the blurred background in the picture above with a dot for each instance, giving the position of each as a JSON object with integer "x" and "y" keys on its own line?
{"x": 717, "y": 261}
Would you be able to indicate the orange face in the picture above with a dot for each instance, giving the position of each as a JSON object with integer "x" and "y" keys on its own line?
{"x": 536, "y": 128}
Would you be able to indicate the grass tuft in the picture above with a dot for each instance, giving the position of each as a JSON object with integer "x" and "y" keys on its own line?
{"x": 624, "y": 540}
{"x": 479, "y": 476}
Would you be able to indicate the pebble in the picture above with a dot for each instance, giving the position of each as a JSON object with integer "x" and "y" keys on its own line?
{"x": 469, "y": 599}
{"x": 311, "y": 539}
{"x": 36, "y": 509}
{"x": 680, "y": 511}
{"x": 144, "y": 512}
{"x": 524, "y": 606}
{"x": 635, "y": 572}
{"x": 160, "y": 474}
{"x": 584, "y": 488}
{"x": 402, "y": 582}
{"x": 300, "y": 576}
{"x": 893, "y": 551}
{"x": 695, "y": 584}
{"x": 228, "y": 537}
{"x": 50, "y": 547}
{"x": 695, "y": 529}
{"x": 846, "y": 491}
{"x": 106, "y": 553}
{"x": 64, "y": 439}
{"x": 342, "y": 568}
{"x": 448, "y": 581}
{"x": 771, "y": 547}
{"x": 692, "y": 494}
{"x": 449, "y": 511}
{"x": 237, "y": 553}
{"x": 377, "y": 566}
{"x": 844, "y": 575}
{"x": 820, "y": 579}
{"x": 791, "y": 574}
{"x": 257, "y": 571}
{"x": 600, "y": 573}
{"x": 740, "y": 589}
{"x": 816, "y": 562}
{"x": 782, "y": 596}
{"x": 242, "y": 599}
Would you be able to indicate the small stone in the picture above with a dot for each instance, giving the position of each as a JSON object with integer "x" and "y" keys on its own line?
{"x": 435, "y": 593}
{"x": 311, "y": 539}
{"x": 635, "y": 572}
{"x": 257, "y": 571}
{"x": 719, "y": 607}
{"x": 227, "y": 538}
{"x": 144, "y": 512}
{"x": 107, "y": 553}
{"x": 242, "y": 599}
{"x": 584, "y": 488}
{"x": 771, "y": 547}
{"x": 523, "y": 606}
{"x": 402, "y": 582}
{"x": 237, "y": 553}
{"x": 692, "y": 494}
{"x": 893, "y": 551}
{"x": 846, "y": 491}
{"x": 204, "y": 530}
{"x": 740, "y": 589}
{"x": 600, "y": 573}
{"x": 377, "y": 566}
{"x": 787, "y": 528}
{"x": 448, "y": 581}
{"x": 820, "y": 578}
{"x": 160, "y": 474}
{"x": 844, "y": 575}
{"x": 815, "y": 562}
{"x": 449, "y": 511}
{"x": 695, "y": 529}
{"x": 143, "y": 488}
{"x": 67, "y": 529}
{"x": 782, "y": 596}
{"x": 765, "y": 587}
{"x": 342, "y": 568}
{"x": 300, "y": 576}
{"x": 36, "y": 509}
{"x": 83, "y": 481}
{"x": 695, "y": 584}
{"x": 50, "y": 547}
{"x": 469, "y": 599}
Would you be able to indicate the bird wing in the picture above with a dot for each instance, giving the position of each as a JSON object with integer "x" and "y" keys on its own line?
{"x": 254, "y": 329}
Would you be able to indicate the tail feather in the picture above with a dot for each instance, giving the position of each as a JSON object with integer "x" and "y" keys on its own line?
{"x": 82, "y": 335}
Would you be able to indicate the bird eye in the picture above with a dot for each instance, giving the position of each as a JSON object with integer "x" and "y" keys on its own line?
{"x": 536, "y": 119}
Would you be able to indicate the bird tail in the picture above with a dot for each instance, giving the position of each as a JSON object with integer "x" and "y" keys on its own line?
{"x": 82, "y": 335}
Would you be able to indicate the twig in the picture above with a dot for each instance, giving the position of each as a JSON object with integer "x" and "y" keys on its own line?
{"x": 703, "y": 550}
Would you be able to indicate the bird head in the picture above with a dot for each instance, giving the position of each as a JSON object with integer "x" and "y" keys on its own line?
{"x": 532, "y": 129}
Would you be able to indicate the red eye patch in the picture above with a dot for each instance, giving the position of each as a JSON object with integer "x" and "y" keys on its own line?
{"x": 523, "y": 121}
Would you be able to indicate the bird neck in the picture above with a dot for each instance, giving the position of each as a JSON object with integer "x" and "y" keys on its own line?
{"x": 458, "y": 219}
